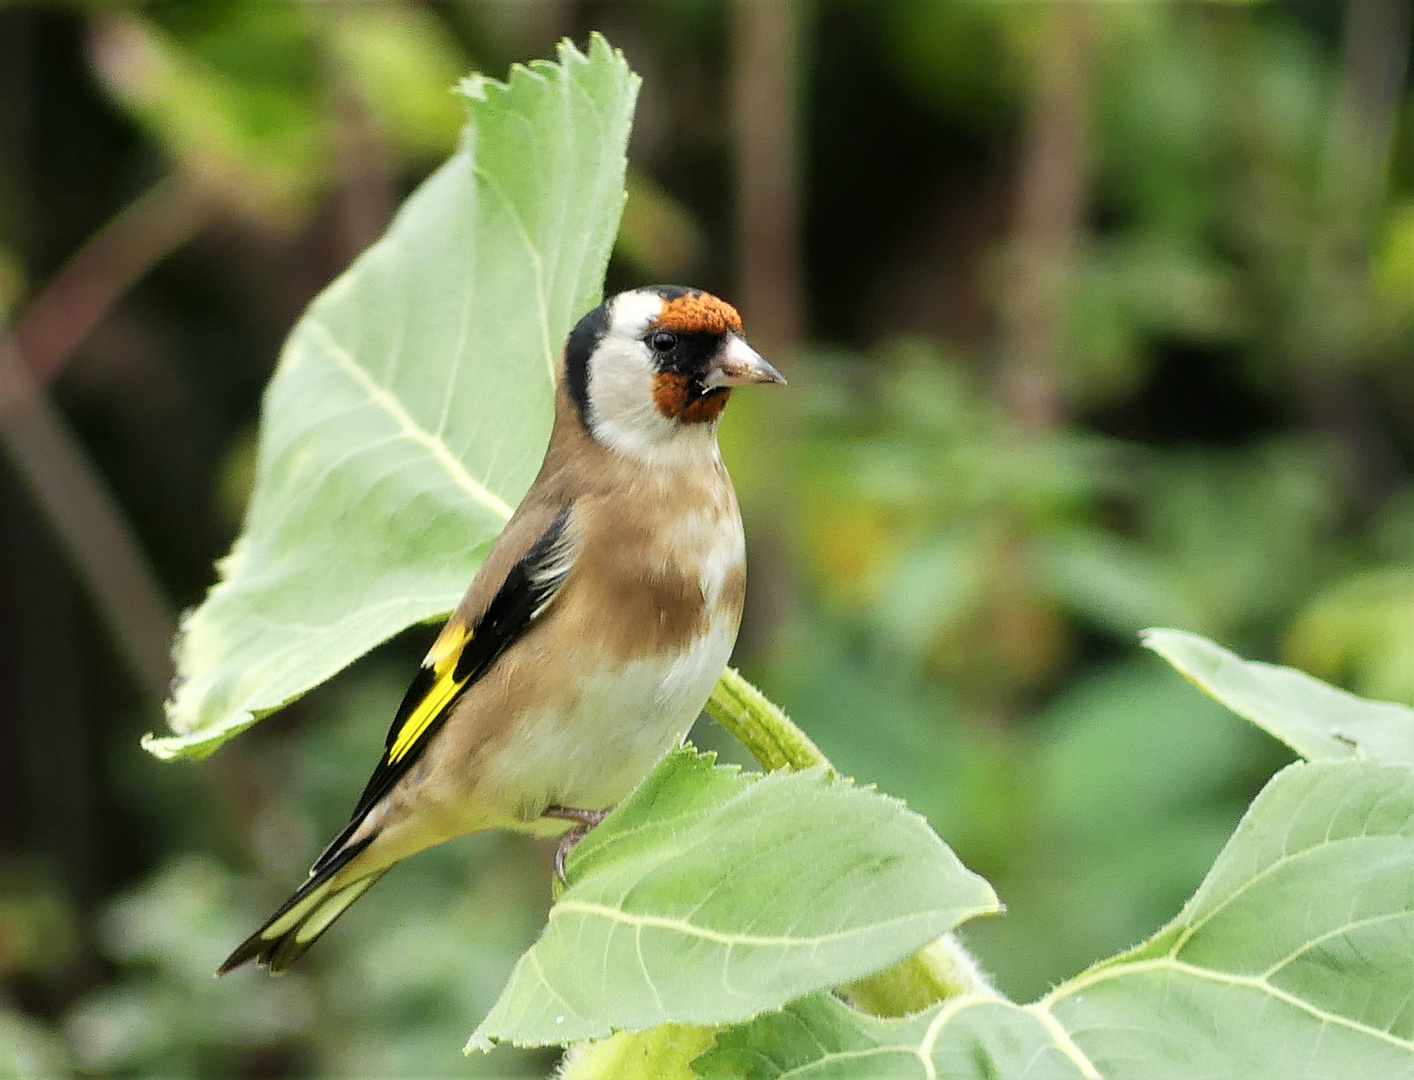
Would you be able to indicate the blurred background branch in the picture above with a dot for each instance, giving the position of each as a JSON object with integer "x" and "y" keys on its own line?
{"x": 1050, "y": 212}
{"x": 87, "y": 519}
{"x": 88, "y": 522}
{"x": 156, "y": 223}
{"x": 766, "y": 99}
{"x": 1329, "y": 336}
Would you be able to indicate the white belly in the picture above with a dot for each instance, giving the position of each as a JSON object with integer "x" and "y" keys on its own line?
{"x": 626, "y": 719}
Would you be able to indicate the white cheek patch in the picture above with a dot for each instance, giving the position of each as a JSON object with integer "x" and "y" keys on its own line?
{"x": 632, "y": 313}
{"x": 623, "y": 415}
{"x": 621, "y": 405}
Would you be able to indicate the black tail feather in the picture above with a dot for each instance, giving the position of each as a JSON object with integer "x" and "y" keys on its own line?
{"x": 301, "y": 919}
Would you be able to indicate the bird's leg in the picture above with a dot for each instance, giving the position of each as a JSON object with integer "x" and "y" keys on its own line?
{"x": 584, "y": 821}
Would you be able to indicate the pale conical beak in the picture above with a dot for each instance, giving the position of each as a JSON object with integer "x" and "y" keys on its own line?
{"x": 737, "y": 364}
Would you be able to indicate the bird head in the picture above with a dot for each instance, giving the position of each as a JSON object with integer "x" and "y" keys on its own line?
{"x": 650, "y": 370}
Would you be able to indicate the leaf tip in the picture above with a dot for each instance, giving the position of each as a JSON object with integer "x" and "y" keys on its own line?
{"x": 478, "y": 1043}
{"x": 1151, "y": 637}
{"x": 159, "y": 747}
{"x": 605, "y": 51}
{"x": 569, "y": 53}
{"x": 472, "y": 87}
{"x": 195, "y": 745}
{"x": 1178, "y": 646}
{"x": 179, "y": 747}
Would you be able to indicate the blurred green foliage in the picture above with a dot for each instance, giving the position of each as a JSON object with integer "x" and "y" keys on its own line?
{"x": 247, "y": 98}
{"x": 1230, "y": 453}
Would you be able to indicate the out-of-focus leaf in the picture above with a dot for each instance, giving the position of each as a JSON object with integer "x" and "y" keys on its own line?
{"x": 167, "y": 936}
{"x": 30, "y": 1051}
{"x": 1361, "y": 629}
{"x": 1293, "y": 959}
{"x": 1114, "y": 582}
{"x": 1393, "y": 269}
{"x": 252, "y": 135}
{"x": 1157, "y": 117}
{"x": 402, "y": 62}
{"x": 1239, "y": 536}
{"x": 930, "y": 590}
{"x": 413, "y": 399}
{"x": 39, "y": 928}
{"x": 1127, "y": 292}
{"x": 711, "y": 896}
{"x": 949, "y": 52}
{"x": 1136, "y": 784}
{"x": 1128, "y": 745}
{"x": 1317, "y": 720}
{"x": 659, "y": 235}
{"x": 244, "y": 99}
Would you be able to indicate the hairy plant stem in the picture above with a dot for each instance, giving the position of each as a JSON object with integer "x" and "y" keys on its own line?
{"x": 759, "y": 725}
{"x": 661, "y": 1053}
{"x": 934, "y": 973}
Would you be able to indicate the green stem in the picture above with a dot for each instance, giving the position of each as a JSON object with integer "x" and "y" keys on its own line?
{"x": 761, "y": 726}
{"x": 934, "y": 973}
{"x": 661, "y": 1053}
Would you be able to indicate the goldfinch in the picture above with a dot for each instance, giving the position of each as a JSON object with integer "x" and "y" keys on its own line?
{"x": 596, "y": 628}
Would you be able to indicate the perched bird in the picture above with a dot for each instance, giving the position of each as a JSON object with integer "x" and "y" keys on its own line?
{"x": 595, "y": 630}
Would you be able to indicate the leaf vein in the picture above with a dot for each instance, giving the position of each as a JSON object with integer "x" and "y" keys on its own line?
{"x": 1281, "y": 861}
{"x": 1251, "y": 982}
{"x": 1063, "y": 1042}
{"x": 409, "y": 427}
{"x": 1334, "y": 932}
{"x": 663, "y": 922}
{"x": 537, "y": 262}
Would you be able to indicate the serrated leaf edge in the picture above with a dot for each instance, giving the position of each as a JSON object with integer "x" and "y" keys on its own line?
{"x": 693, "y": 930}
{"x": 752, "y": 779}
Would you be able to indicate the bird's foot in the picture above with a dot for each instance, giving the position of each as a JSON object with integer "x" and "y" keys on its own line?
{"x": 584, "y": 821}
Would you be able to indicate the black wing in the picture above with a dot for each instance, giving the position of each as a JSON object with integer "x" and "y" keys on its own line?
{"x": 461, "y": 656}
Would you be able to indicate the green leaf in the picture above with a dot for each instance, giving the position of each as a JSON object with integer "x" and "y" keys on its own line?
{"x": 710, "y": 896}
{"x": 413, "y": 400}
{"x": 1293, "y": 959}
{"x": 30, "y": 1051}
{"x": 1318, "y": 721}
{"x": 244, "y": 99}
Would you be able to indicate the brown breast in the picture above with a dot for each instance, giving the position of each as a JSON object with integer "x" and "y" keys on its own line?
{"x": 659, "y": 562}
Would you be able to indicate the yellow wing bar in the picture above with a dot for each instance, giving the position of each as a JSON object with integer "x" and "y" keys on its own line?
{"x": 443, "y": 658}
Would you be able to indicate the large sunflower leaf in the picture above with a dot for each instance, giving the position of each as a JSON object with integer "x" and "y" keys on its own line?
{"x": 1319, "y": 721}
{"x": 712, "y": 895}
{"x": 1294, "y": 959}
{"x": 413, "y": 400}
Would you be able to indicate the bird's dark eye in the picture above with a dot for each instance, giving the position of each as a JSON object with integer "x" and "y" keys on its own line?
{"x": 663, "y": 341}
